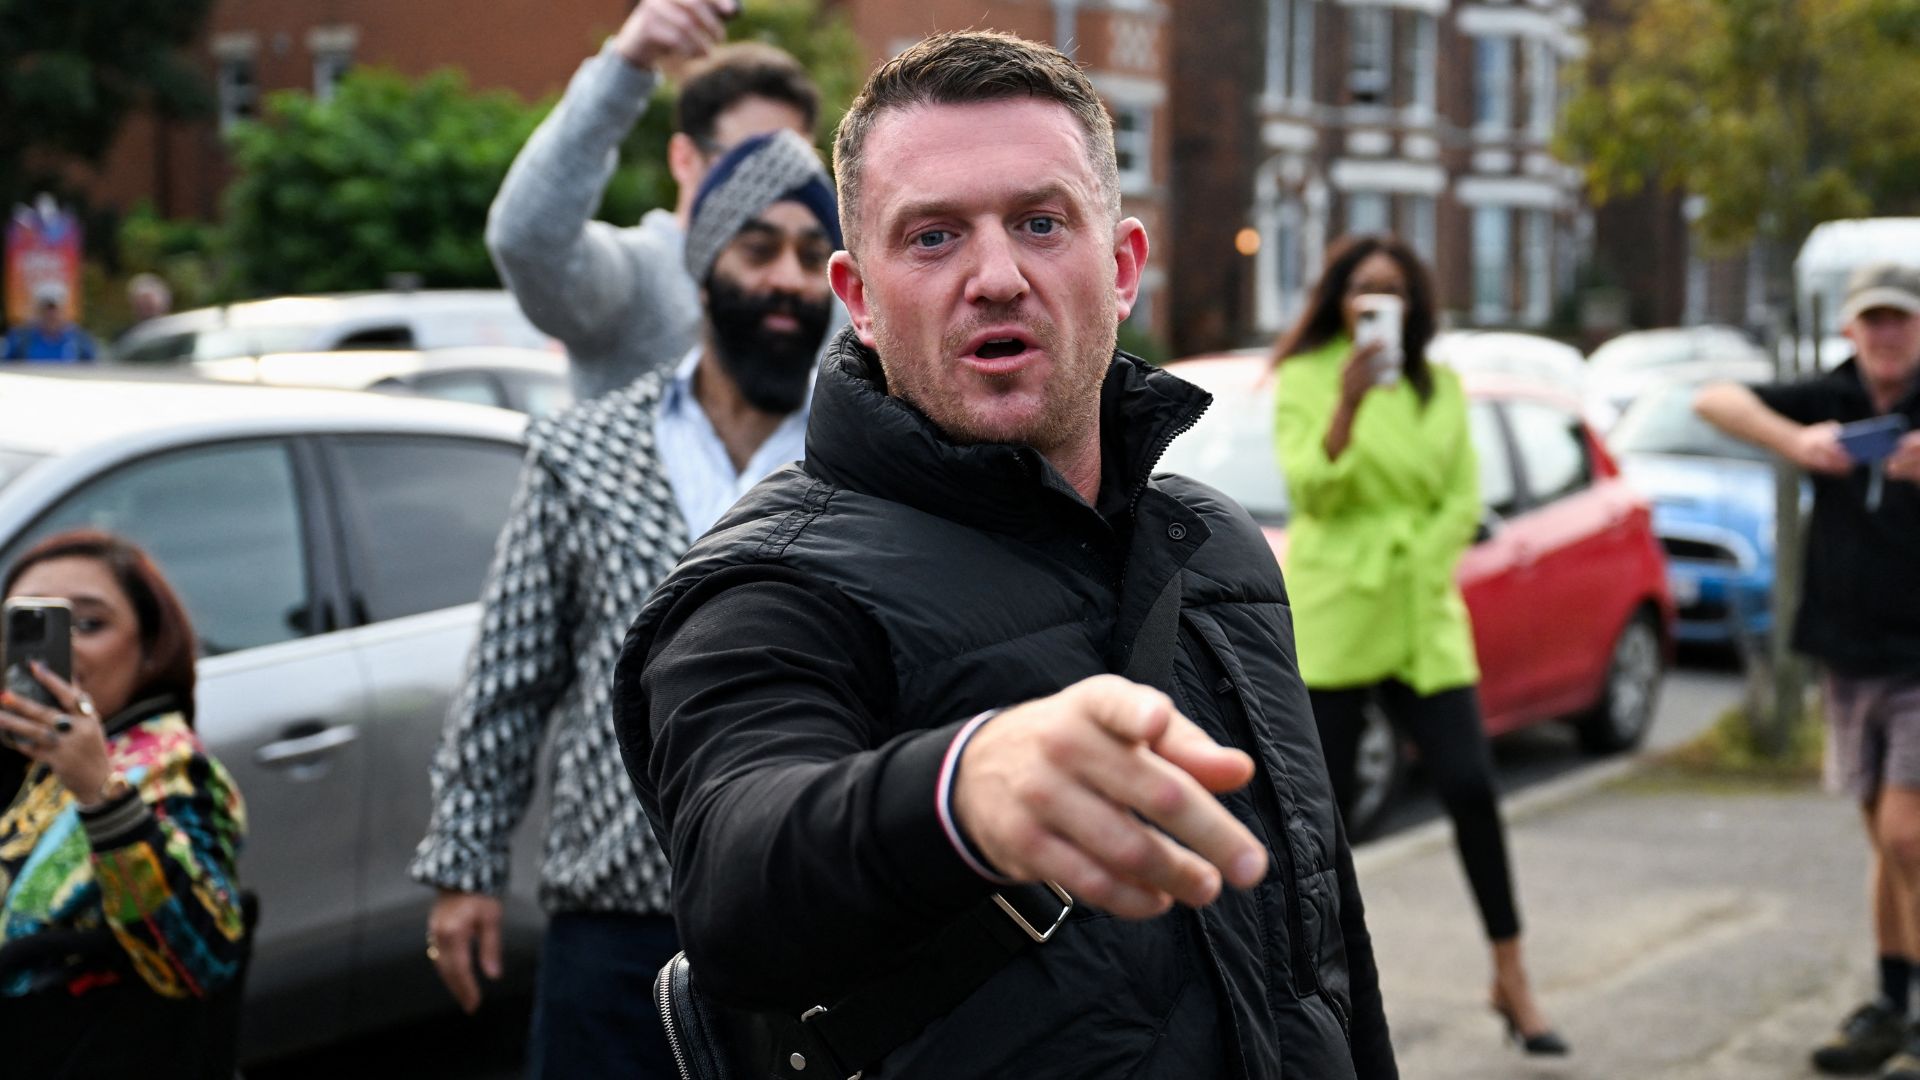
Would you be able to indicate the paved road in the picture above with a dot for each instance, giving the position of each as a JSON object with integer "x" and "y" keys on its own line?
{"x": 1694, "y": 694}
{"x": 488, "y": 1048}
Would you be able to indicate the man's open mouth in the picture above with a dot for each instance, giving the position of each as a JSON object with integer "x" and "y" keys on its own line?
{"x": 1001, "y": 347}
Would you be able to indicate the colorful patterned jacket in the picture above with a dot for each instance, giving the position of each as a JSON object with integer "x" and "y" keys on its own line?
{"x": 141, "y": 888}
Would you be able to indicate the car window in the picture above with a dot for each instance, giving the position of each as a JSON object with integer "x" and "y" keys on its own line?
{"x": 1665, "y": 423}
{"x": 1552, "y": 450}
{"x": 398, "y": 336}
{"x": 223, "y": 523}
{"x": 1497, "y": 491}
{"x": 492, "y": 324}
{"x": 161, "y": 350}
{"x": 473, "y": 387}
{"x": 423, "y": 515}
{"x": 539, "y": 395}
{"x": 1232, "y": 449}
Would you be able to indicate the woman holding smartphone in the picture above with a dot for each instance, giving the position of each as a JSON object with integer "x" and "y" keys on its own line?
{"x": 1374, "y": 443}
{"x": 121, "y": 917}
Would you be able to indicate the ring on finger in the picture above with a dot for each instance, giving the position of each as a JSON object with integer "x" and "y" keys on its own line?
{"x": 63, "y": 725}
{"x": 86, "y": 706}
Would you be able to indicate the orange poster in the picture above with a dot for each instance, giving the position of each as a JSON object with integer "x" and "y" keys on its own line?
{"x": 43, "y": 249}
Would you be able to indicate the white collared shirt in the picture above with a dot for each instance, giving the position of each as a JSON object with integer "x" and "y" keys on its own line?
{"x": 704, "y": 482}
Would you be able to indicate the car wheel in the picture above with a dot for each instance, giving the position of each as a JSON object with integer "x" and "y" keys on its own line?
{"x": 1376, "y": 772}
{"x": 1625, "y": 711}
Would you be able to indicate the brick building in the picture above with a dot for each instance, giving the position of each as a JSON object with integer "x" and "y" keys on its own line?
{"x": 1125, "y": 47}
{"x": 254, "y": 47}
{"x": 1429, "y": 118}
{"x": 1250, "y": 132}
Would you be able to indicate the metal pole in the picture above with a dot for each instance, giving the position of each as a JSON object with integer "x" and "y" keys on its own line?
{"x": 1789, "y": 678}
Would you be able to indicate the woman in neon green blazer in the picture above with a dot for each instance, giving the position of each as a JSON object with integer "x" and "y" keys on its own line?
{"x": 1385, "y": 494}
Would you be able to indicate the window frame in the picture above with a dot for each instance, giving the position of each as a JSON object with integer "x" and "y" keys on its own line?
{"x": 1531, "y": 498}
{"x": 231, "y": 96}
{"x": 1496, "y": 408}
{"x": 1135, "y": 177}
{"x": 1492, "y": 104}
{"x": 1486, "y": 309}
{"x": 317, "y": 526}
{"x": 1371, "y": 85}
{"x": 356, "y": 578}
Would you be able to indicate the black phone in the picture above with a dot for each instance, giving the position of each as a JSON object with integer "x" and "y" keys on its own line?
{"x": 37, "y": 628}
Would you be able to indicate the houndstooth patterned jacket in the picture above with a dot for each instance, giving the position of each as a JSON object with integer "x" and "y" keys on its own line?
{"x": 593, "y": 527}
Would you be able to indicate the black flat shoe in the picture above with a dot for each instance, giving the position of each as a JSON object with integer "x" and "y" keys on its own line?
{"x": 1546, "y": 1043}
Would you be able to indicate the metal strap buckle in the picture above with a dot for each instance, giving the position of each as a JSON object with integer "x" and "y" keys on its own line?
{"x": 798, "y": 1061}
{"x": 1039, "y": 937}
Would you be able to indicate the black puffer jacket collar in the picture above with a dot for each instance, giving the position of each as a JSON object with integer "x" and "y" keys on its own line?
{"x": 861, "y": 438}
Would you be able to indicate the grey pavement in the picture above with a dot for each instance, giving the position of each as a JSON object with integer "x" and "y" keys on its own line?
{"x": 1674, "y": 930}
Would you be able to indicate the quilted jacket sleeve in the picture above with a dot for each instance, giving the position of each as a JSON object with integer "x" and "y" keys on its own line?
{"x": 484, "y": 773}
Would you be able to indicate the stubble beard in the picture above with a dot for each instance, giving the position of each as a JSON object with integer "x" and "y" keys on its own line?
{"x": 1070, "y": 411}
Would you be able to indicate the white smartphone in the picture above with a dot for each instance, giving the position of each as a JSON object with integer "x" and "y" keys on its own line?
{"x": 1379, "y": 317}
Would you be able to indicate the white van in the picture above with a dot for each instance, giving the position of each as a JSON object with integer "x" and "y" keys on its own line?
{"x": 1832, "y": 252}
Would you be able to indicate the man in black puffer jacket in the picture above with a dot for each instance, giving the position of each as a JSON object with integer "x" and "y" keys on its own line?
{"x": 873, "y": 704}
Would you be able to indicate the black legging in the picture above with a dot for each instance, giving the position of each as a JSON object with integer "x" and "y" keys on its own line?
{"x": 1446, "y": 729}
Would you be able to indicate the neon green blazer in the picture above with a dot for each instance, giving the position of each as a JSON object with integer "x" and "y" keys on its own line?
{"x": 1375, "y": 537}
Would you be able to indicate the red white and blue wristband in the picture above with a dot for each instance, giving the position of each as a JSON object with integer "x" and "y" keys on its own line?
{"x": 943, "y": 802}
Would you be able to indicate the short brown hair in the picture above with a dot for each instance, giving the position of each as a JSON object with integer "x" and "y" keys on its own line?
{"x": 166, "y": 635}
{"x": 734, "y": 72}
{"x": 964, "y": 68}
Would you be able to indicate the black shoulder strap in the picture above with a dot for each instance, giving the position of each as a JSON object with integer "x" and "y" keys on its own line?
{"x": 866, "y": 1025}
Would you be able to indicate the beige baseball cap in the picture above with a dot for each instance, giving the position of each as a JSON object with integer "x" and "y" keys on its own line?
{"x": 1882, "y": 285}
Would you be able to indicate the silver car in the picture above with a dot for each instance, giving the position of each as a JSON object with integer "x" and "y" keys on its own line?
{"x": 330, "y": 547}
{"x": 417, "y": 319}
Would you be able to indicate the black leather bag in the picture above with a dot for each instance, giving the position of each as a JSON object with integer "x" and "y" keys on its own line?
{"x": 694, "y": 1033}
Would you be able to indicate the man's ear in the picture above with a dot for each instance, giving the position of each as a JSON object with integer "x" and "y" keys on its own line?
{"x": 844, "y": 275}
{"x": 685, "y": 161}
{"x": 1129, "y": 262}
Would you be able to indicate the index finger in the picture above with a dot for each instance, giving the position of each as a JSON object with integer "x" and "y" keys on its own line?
{"x": 1168, "y": 796}
{"x": 63, "y": 692}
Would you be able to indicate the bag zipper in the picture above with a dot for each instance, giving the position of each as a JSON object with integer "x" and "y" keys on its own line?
{"x": 662, "y": 990}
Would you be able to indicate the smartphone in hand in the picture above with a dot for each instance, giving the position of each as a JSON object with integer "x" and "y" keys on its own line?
{"x": 1378, "y": 317}
{"x": 1868, "y": 441}
{"x": 37, "y": 628}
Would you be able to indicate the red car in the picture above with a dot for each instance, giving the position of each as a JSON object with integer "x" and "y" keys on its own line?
{"x": 1566, "y": 584}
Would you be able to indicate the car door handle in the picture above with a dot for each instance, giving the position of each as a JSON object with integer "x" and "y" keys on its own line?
{"x": 305, "y": 748}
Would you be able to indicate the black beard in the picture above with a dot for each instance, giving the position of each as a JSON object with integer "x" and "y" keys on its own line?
{"x": 771, "y": 367}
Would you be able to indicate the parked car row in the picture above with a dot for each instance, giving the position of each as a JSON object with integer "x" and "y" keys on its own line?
{"x": 1566, "y": 586}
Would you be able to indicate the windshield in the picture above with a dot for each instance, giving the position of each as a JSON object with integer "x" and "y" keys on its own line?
{"x": 1232, "y": 446}
{"x": 1665, "y": 423}
{"x": 13, "y": 463}
{"x": 1643, "y": 351}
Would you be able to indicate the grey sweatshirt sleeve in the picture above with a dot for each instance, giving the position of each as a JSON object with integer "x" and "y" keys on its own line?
{"x": 579, "y": 279}
{"x": 484, "y": 773}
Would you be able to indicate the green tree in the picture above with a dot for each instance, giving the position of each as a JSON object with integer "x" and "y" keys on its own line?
{"x": 70, "y": 73}
{"x": 396, "y": 176}
{"x": 1779, "y": 114}
{"x": 823, "y": 42}
{"x": 389, "y": 176}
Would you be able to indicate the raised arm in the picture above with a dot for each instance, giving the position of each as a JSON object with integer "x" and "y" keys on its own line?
{"x": 1738, "y": 411}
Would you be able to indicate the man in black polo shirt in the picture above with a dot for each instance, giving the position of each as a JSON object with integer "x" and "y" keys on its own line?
{"x": 1860, "y": 616}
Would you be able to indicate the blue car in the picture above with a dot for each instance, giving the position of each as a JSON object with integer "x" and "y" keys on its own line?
{"x": 1713, "y": 510}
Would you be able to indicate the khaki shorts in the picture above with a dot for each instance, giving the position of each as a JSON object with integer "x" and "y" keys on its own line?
{"x": 1873, "y": 734}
